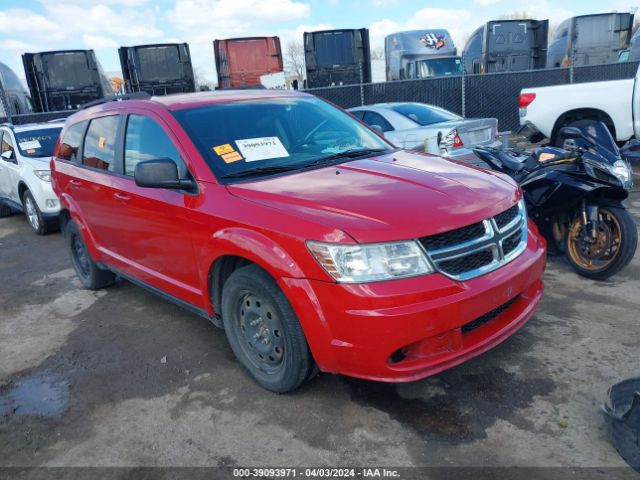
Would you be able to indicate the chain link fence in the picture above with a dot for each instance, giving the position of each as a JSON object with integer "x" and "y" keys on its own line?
{"x": 36, "y": 117}
{"x": 493, "y": 95}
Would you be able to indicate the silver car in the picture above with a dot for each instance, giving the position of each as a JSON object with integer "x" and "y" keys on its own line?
{"x": 418, "y": 126}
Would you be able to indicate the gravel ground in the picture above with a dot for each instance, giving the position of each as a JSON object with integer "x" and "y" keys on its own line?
{"x": 120, "y": 377}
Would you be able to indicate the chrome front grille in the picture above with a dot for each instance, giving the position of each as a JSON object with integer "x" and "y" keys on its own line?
{"x": 479, "y": 248}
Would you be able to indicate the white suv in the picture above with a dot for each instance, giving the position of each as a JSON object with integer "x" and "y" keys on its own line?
{"x": 25, "y": 179}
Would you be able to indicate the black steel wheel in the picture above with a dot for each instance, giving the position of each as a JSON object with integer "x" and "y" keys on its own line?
{"x": 263, "y": 331}
{"x": 91, "y": 276}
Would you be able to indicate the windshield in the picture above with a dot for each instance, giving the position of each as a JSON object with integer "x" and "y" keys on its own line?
{"x": 598, "y": 135}
{"x": 252, "y": 137}
{"x": 439, "y": 67}
{"x": 425, "y": 114}
{"x": 38, "y": 143}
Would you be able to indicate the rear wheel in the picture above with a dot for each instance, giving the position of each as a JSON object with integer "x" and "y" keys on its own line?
{"x": 612, "y": 248}
{"x": 91, "y": 276}
{"x": 263, "y": 331}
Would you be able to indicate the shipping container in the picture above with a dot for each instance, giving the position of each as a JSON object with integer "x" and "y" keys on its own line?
{"x": 64, "y": 80}
{"x": 421, "y": 54}
{"x": 14, "y": 99}
{"x": 240, "y": 62}
{"x": 337, "y": 57}
{"x": 590, "y": 40}
{"x": 507, "y": 46}
{"x": 158, "y": 69}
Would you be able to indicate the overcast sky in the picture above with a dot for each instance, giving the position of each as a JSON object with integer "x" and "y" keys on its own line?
{"x": 105, "y": 25}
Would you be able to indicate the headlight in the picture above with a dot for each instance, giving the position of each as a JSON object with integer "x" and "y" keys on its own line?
{"x": 371, "y": 262}
{"x": 621, "y": 170}
{"x": 44, "y": 175}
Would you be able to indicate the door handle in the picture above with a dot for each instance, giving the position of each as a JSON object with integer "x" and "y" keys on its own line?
{"x": 75, "y": 183}
{"x": 123, "y": 197}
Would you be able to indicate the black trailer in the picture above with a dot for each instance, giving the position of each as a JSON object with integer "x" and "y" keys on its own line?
{"x": 590, "y": 40}
{"x": 64, "y": 79}
{"x": 158, "y": 69}
{"x": 507, "y": 46}
{"x": 337, "y": 57}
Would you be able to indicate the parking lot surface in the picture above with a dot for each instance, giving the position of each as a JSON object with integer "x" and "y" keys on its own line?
{"x": 120, "y": 377}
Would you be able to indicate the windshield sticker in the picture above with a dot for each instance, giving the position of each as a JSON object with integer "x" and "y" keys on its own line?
{"x": 346, "y": 144}
{"x": 231, "y": 157}
{"x": 30, "y": 145}
{"x": 223, "y": 149}
{"x": 31, "y": 151}
{"x": 262, "y": 148}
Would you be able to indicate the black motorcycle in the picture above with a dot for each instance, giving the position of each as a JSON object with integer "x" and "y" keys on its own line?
{"x": 575, "y": 197}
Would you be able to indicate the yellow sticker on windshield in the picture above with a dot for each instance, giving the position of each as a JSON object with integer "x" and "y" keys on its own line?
{"x": 223, "y": 149}
{"x": 231, "y": 157}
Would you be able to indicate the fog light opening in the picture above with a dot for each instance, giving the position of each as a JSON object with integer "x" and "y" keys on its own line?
{"x": 398, "y": 356}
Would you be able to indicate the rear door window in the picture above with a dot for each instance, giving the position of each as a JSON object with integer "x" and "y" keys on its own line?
{"x": 71, "y": 141}
{"x": 146, "y": 140}
{"x": 373, "y": 118}
{"x": 99, "y": 145}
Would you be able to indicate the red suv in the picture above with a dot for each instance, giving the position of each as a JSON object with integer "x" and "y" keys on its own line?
{"x": 309, "y": 238}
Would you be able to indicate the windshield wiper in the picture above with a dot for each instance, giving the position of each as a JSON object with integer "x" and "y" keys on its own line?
{"x": 266, "y": 170}
{"x": 261, "y": 170}
{"x": 353, "y": 153}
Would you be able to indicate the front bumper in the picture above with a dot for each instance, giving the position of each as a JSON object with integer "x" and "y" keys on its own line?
{"x": 46, "y": 199}
{"x": 409, "y": 329}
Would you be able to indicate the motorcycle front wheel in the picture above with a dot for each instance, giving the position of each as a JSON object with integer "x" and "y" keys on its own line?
{"x": 612, "y": 248}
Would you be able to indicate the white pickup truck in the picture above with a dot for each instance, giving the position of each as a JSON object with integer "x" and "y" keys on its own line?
{"x": 545, "y": 110}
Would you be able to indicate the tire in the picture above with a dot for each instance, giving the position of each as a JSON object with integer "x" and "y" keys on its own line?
{"x": 5, "y": 211}
{"x": 91, "y": 276}
{"x": 33, "y": 214}
{"x": 263, "y": 331}
{"x": 628, "y": 241}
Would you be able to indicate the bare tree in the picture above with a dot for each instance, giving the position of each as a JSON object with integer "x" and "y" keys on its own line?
{"x": 517, "y": 16}
{"x": 201, "y": 81}
{"x": 294, "y": 60}
{"x": 377, "y": 53}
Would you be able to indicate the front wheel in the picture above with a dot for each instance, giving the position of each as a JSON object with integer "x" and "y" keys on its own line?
{"x": 263, "y": 331}
{"x": 33, "y": 214}
{"x": 609, "y": 251}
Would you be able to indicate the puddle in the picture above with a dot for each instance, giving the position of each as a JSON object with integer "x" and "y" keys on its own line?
{"x": 39, "y": 395}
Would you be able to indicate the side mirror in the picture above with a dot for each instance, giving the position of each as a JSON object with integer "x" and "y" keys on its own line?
{"x": 8, "y": 155}
{"x": 570, "y": 132}
{"x": 161, "y": 173}
{"x": 377, "y": 128}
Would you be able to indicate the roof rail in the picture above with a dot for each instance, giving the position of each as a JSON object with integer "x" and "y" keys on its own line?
{"x": 117, "y": 98}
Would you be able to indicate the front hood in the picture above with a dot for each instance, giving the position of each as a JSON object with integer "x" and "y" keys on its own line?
{"x": 396, "y": 196}
{"x": 38, "y": 163}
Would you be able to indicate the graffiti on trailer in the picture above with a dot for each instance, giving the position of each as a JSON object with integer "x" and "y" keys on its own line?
{"x": 432, "y": 40}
